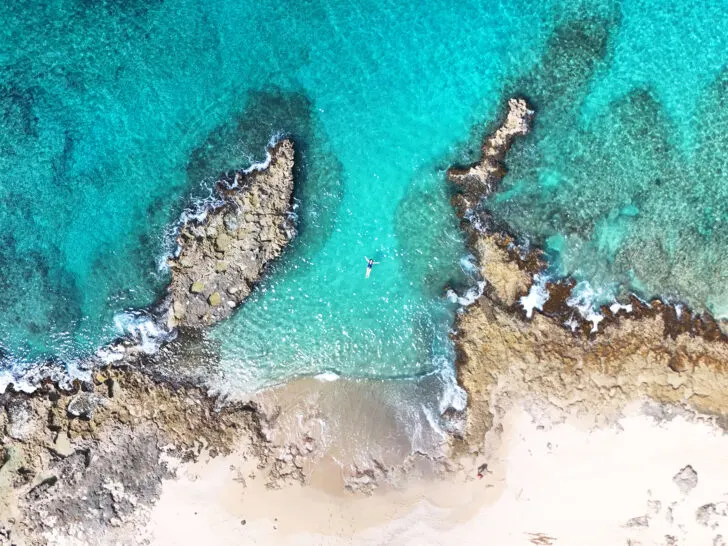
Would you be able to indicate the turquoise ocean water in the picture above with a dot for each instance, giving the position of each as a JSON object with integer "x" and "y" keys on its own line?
{"x": 116, "y": 115}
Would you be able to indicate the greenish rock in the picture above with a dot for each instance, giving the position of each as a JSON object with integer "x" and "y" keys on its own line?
{"x": 221, "y": 267}
{"x": 197, "y": 287}
{"x": 11, "y": 460}
{"x": 222, "y": 242}
{"x": 215, "y": 298}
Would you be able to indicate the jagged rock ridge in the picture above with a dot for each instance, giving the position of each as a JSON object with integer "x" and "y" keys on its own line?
{"x": 223, "y": 256}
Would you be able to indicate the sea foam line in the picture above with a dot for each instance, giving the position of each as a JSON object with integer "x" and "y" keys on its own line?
{"x": 537, "y": 295}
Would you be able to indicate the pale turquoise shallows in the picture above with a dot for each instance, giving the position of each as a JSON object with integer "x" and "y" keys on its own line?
{"x": 116, "y": 115}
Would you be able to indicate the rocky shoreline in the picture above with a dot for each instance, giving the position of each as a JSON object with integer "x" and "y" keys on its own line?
{"x": 86, "y": 462}
{"x": 81, "y": 458}
{"x": 655, "y": 351}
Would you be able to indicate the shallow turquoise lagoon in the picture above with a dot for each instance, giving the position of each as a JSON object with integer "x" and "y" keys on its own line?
{"x": 117, "y": 115}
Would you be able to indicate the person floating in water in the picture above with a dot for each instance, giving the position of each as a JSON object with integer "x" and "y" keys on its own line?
{"x": 370, "y": 264}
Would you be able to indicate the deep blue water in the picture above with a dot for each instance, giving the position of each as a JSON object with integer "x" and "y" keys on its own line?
{"x": 116, "y": 115}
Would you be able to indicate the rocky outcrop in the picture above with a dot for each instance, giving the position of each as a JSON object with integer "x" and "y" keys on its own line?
{"x": 482, "y": 178}
{"x": 507, "y": 270}
{"x": 89, "y": 460}
{"x": 657, "y": 351}
{"x": 222, "y": 256}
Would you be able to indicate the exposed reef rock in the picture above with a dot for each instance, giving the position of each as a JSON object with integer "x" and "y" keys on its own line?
{"x": 503, "y": 355}
{"x": 222, "y": 256}
{"x": 482, "y": 178}
{"x": 656, "y": 351}
{"x": 79, "y": 471}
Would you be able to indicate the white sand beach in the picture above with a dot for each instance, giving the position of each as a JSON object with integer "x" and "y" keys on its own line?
{"x": 564, "y": 483}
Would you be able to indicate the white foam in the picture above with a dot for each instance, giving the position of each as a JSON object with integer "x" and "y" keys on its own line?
{"x": 196, "y": 213}
{"x": 110, "y": 354}
{"x": 537, "y": 295}
{"x": 617, "y": 307}
{"x": 262, "y": 165}
{"x": 327, "y": 377}
{"x": 471, "y": 295}
{"x": 572, "y": 323}
{"x": 141, "y": 327}
{"x": 586, "y": 300}
{"x": 416, "y": 434}
{"x": 9, "y": 376}
{"x": 453, "y": 395}
{"x": 25, "y": 376}
{"x": 469, "y": 264}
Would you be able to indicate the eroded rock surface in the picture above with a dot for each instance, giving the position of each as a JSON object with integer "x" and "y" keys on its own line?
{"x": 75, "y": 478}
{"x": 653, "y": 352}
{"x": 686, "y": 480}
{"x": 484, "y": 176}
{"x": 223, "y": 256}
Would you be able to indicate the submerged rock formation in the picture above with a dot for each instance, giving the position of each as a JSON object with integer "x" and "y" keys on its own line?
{"x": 222, "y": 256}
{"x": 655, "y": 352}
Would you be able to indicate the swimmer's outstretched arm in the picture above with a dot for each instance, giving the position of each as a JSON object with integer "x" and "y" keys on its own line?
{"x": 367, "y": 259}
